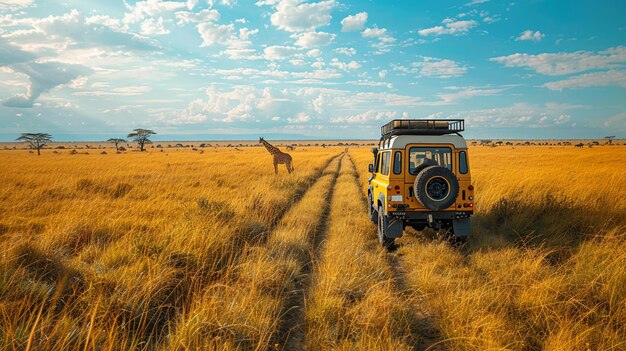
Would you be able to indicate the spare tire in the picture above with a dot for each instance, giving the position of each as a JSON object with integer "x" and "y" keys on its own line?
{"x": 427, "y": 163}
{"x": 436, "y": 188}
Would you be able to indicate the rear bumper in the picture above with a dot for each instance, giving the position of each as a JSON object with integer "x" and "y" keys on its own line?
{"x": 429, "y": 216}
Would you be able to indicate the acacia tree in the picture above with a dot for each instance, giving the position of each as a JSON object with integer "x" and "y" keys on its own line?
{"x": 116, "y": 141}
{"x": 610, "y": 139}
{"x": 141, "y": 137}
{"x": 36, "y": 140}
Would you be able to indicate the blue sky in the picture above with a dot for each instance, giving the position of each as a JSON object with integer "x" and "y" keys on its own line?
{"x": 229, "y": 69}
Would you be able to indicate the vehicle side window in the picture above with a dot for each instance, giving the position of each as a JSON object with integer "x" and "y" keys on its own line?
{"x": 377, "y": 166}
{"x": 385, "y": 163}
{"x": 463, "y": 162}
{"x": 397, "y": 162}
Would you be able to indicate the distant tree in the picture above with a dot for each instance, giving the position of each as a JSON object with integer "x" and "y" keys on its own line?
{"x": 141, "y": 137}
{"x": 117, "y": 142}
{"x": 610, "y": 139}
{"x": 36, "y": 140}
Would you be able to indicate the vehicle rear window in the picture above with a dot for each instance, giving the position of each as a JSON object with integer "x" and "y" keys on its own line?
{"x": 463, "y": 162}
{"x": 397, "y": 162}
{"x": 385, "y": 163}
{"x": 441, "y": 155}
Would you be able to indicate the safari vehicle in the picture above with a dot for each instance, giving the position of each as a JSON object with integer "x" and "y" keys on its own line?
{"x": 421, "y": 178}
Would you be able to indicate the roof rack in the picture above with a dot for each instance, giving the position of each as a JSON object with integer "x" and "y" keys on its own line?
{"x": 422, "y": 127}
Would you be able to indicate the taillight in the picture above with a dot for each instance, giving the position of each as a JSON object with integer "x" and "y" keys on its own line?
{"x": 471, "y": 187}
{"x": 389, "y": 187}
{"x": 397, "y": 187}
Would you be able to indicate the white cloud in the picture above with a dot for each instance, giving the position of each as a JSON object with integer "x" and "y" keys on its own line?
{"x": 206, "y": 15}
{"x": 150, "y": 8}
{"x": 384, "y": 39}
{"x": 562, "y": 119}
{"x": 216, "y": 34}
{"x": 11, "y": 5}
{"x": 383, "y": 73}
{"x": 529, "y": 35}
{"x": 229, "y": 3}
{"x": 346, "y": 51}
{"x": 104, "y": 21}
{"x": 314, "y": 53}
{"x": 278, "y": 52}
{"x": 300, "y": 118}
{"x": 237, "y": 43}
{"x": 439, "y": 68}
{"x": 354, "y": 22}
{"x": 352, "y": 65}
{"x": 566, "y": 63}
{"x": 370, "y": 83}
{"x": 153, "y": 26}
{"x": 365, "y": 117}
{"x": 449, "y": 27}
{"x": 299, "y": 16}
{"x": 594, "y": 79}
{"x": 120, "y": 91}
{"x": 313, "y": 39}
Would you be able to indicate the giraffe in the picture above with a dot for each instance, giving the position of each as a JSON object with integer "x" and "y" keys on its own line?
{"x": 279, "y": 156}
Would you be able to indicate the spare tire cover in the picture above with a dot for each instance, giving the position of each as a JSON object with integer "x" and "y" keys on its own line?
{"x": 436, "y": 188}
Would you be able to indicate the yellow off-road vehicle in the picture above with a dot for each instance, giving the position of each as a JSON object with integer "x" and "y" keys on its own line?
{"x": 421, "y": 178}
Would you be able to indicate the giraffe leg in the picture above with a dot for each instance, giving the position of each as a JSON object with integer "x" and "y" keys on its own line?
{"x": 275, "y": 167}
{"x": 288, "y": 165}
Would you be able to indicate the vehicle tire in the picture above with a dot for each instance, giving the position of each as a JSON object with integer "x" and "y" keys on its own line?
{"x": 457, "y": 241}
{"x": 370, "y": 209}
{"x": 427, "y": 163}
{"x": 386, "y": 242}
{"x": 436, "y": 188}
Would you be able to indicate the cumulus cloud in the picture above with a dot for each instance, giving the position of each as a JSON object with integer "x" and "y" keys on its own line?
{"x": 299, "y": 118}
{"x": 594, "y": 79}
{"x": 439, "y": 68}
{"x": 384, "y": 39}
{"x": 566, "y": 63}
{"x": 354, "y": 22}
{"x": 313, "y": 39}
{"x": 299, "y": 16}
{"x": 72, "y": 29}
{"x": 150, "y": 8}
{"x": 529, "y": 35}
{"x": 278, "y": 52}
{"x": 449, "y": 26}
{"x": 352, "y": 65}
{"x": 206, "y": 15}
{"x": 153, "y": 26}
{"x": 237, "y": 43}
{"x": 346, "y": 51}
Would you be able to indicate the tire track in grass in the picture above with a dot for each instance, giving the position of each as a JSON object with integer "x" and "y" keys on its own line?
{"x": 292, "y": 330}
{"x": 423, "y": 326}
{"x": 352, "y": 303}
{"x": 255, "y": 309}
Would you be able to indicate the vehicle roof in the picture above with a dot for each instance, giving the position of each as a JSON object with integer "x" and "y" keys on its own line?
{"x": 401, "y": 141}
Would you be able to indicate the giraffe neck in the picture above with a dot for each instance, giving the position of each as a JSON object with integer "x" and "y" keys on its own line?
{"x": 270, "y": 148}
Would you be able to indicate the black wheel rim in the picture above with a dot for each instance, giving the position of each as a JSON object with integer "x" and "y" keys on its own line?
{"x": 437, "y": 188}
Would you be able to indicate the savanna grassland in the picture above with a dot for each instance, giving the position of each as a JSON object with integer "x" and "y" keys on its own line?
{"x": 183, "y": 250}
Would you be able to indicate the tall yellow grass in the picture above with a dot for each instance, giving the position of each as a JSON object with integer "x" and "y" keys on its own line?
{"x": 178, "y": 250}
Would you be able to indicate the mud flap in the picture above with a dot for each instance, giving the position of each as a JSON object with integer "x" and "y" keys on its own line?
{"x": 461, "y": 227}
{"x": 395, "y": 227}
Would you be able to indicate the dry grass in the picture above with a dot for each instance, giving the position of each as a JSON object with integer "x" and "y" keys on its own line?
{"x": 182, "y": 250}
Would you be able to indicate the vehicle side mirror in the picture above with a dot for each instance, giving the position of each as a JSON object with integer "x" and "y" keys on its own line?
{"x": 370, "y": 168}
